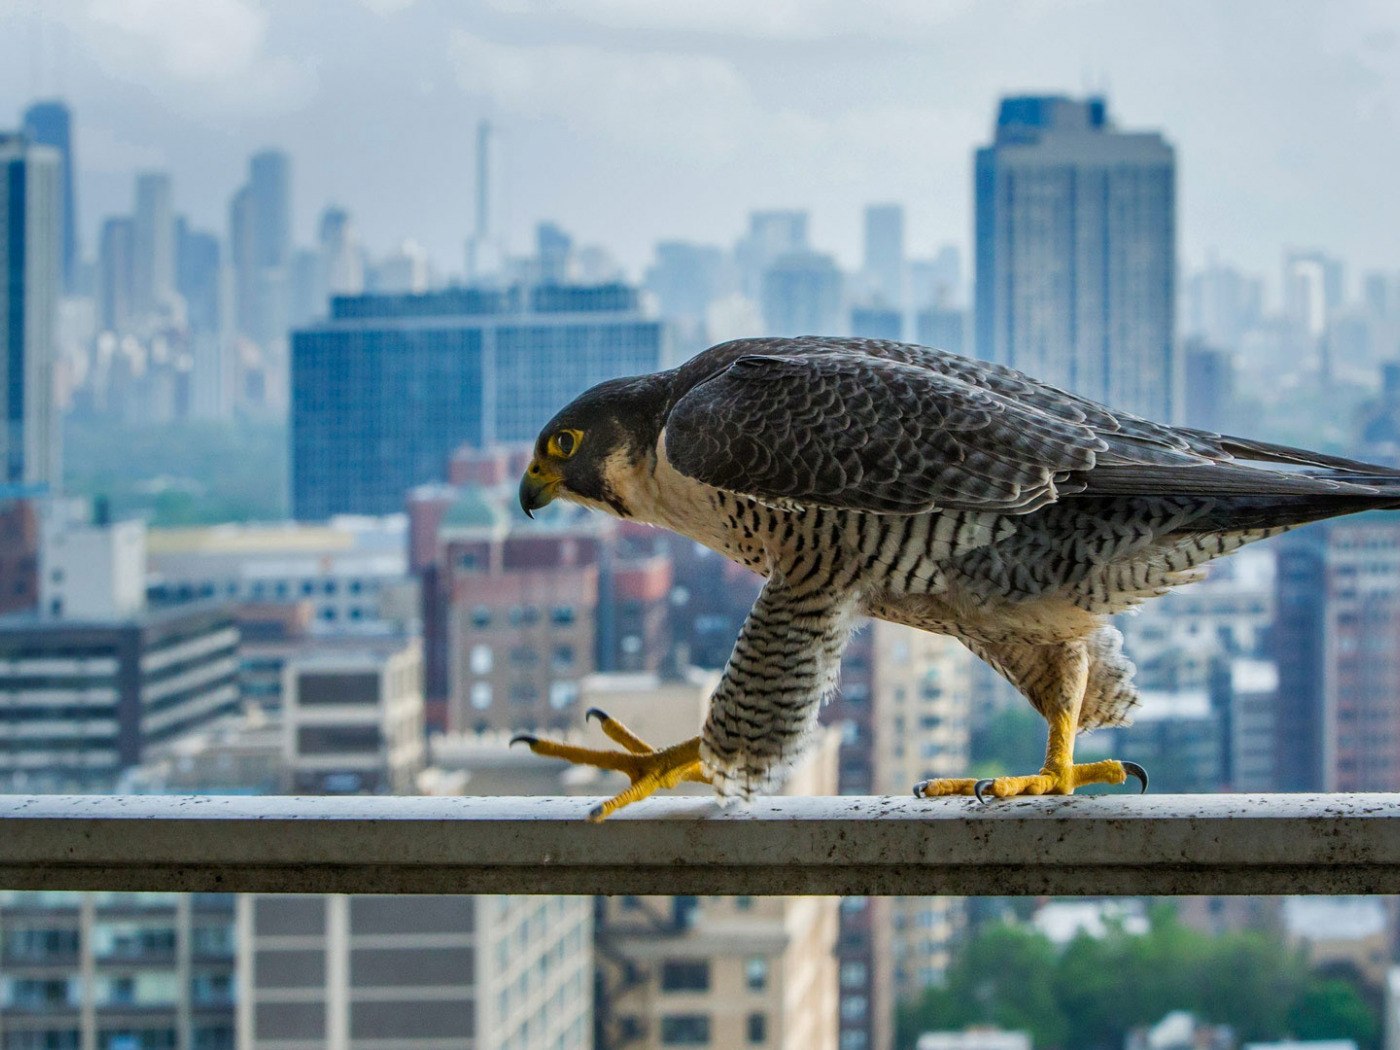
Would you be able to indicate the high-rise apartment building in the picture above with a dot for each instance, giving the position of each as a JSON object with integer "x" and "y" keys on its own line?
{"x": 389, "y": 386}
{"x": 85, "y": 699}
{"x": 1076, "y": 252}
{"x": 117, "y": 970}
{"x": 884, "y": 253}
{"x": 414, "y": 973}
{"x": 153, "y": 244}
{"x": 50, "y": 123}
{"x": 31, "y": 255}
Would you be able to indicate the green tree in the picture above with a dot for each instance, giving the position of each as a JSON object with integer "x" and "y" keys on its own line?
{"x": 1333, "y": 1009}
{"x": 1089, "y": 995}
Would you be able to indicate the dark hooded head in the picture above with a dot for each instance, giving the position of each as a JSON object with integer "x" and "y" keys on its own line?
{"x": 588, "y": 451}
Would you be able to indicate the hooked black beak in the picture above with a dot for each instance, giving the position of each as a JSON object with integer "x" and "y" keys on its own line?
{"x": 537, "y": 487}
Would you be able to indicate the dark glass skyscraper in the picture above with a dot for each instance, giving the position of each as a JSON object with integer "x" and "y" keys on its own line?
{"x": 390, "y": 385}
{"x": 31, "y": 216}
{"x": 50, "y": 123}
{"x": 1076, "y": 252}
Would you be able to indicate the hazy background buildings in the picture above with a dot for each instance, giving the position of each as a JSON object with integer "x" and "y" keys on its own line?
{"x": 276, "y": 335}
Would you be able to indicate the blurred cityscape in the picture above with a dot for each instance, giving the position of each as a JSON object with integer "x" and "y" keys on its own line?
{"x": 258, "y": 535}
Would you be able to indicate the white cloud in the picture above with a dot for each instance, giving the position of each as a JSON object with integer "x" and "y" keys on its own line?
{"x": 795, "y": 20}
{"x": 213, "y": 52}
{"x": 681, "y": 103}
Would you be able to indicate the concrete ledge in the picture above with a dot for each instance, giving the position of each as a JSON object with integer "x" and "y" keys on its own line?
{"x": 1107, "y": 844}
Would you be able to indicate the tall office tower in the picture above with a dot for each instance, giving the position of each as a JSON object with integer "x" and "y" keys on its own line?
{"x": 391, "y": 385}
{"x": 51, "y": 124}
{"x": 153, "y": 244}
{"x": 342, "y": 258}
{"x": 1361, "y": 675}
{"x": 199, "y": 276}
{"x": 884, "y": 253}
{"x": 1297, "y": 644}
{"x": 31, "y": 232}
{"x": 115, "y": 266}
{"x": 415, "y": 973}
{"x": 1076, "y": 253}
{"x": 260, "y": 239}
{"x": 771, "y": 234}
{"x": 114, "y": 970}
{"x": 802, "y": 295}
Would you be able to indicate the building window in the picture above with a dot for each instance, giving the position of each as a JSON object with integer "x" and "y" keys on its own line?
{"x": 480, "y": 661}
{"x": 854, "y": 1041}
{"x": 853, "y": 975}
{"x": 563, "y": 657}
{"x": 685, "y": 975}
{"x": 481, "y": 695}
{"x": 853, "y": 1008}
{"x": 685, "y": 1030}
{"x": 758, "y": 1029}
{"x": 756, "y": 973}
{"x": 562, "y": 615}
{"x": 562, "y": 695}
{"x": 481, "y": 617}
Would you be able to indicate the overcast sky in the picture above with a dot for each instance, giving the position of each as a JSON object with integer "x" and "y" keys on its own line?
{"x": 629, "y": 121}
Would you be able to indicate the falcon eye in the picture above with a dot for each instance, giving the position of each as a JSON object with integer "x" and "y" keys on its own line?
{"x": 565, "y": 443}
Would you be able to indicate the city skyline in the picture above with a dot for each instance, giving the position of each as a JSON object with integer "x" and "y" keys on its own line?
{"x": 1288, "y": 143}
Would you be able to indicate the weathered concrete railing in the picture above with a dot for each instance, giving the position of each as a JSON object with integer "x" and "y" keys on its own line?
{"x": 1110, "y": 844}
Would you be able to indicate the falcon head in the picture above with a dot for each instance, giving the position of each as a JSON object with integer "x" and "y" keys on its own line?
{"x": 595, "y": 449}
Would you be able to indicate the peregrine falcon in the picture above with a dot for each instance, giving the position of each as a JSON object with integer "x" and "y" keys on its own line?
{"x": 870, "y": 478}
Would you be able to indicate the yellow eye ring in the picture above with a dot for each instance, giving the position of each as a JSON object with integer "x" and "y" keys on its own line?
{"x": 565, "y": 443}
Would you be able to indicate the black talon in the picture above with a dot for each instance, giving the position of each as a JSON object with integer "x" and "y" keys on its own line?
{"x": 523, "y": 738}
{"x": 919, "y": 788}
{"x": 979, "y": 787}
{"x": 595, "y": 712}
{"x": 1135, "y": 770}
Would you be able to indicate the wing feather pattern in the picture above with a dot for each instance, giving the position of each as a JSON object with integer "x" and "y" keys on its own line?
{"x": 894, "y": 428}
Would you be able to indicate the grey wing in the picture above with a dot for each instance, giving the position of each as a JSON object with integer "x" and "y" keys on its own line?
{"x": 892, "y": 427}
{"x": 858, "y": 432}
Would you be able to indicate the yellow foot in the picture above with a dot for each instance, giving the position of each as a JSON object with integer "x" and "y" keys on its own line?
{"x": 647, "y": 768}
{"x": 1046, "y": 782}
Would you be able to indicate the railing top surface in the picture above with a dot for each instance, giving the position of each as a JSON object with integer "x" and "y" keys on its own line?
{"x": 1108, "y": 844}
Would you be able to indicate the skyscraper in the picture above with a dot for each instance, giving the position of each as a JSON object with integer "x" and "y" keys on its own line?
{"x": 390, "y": 385}
{"x": 153, "y": 246}
{"x": 114, "y": 274}
{"x": 31, "y": 238}
{"x": 1076, "y": 252}
{"x": 884, "y": 253}
{"x": 50, "y": 123}
{"x": 260, "y": 239}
